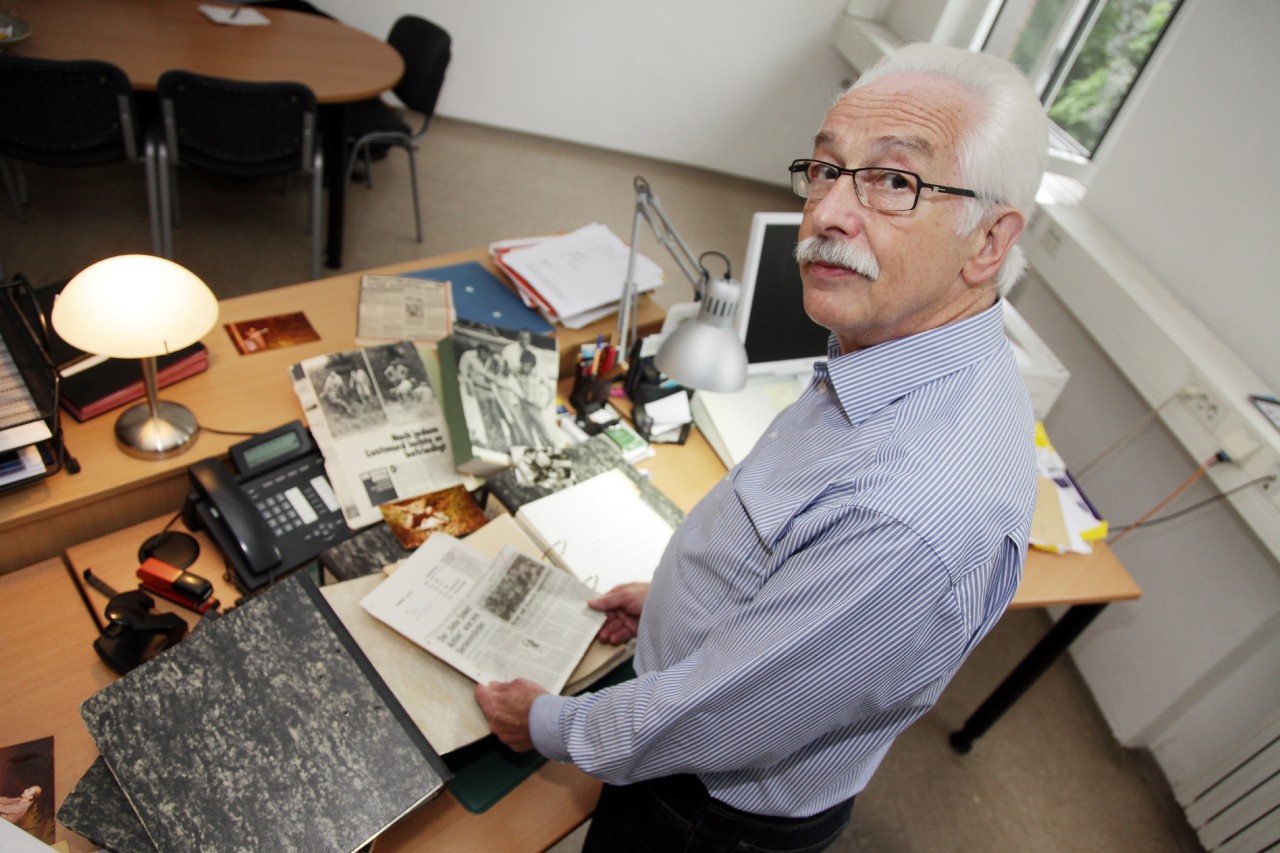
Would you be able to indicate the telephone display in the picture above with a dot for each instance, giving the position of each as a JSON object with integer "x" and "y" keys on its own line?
{"x": 275, "y": 514}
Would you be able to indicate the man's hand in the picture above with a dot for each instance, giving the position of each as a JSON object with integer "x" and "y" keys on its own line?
{"x": 622, "y": 606}
{"x": 506, "y": 706}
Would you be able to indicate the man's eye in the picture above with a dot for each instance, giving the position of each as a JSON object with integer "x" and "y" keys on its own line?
{"x": 886, "y": 182}
{"x": 824, "y": 173}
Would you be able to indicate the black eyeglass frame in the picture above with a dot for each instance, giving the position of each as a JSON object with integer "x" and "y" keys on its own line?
{"x": 802, "y": 166}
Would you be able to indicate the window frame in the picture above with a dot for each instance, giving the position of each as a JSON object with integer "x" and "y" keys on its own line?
{"x": 1054, "y": 63}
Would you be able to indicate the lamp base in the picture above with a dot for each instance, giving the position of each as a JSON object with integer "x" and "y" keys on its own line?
{"x": 171, "y": 431}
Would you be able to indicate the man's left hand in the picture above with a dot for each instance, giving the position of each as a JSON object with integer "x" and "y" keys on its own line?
{"x": 506, "y": 706}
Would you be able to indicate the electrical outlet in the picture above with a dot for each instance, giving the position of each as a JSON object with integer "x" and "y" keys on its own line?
{"x": 1204, "y": 405}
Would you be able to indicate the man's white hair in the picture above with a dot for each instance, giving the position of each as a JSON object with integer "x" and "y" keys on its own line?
{"x": 1002, "y": 152}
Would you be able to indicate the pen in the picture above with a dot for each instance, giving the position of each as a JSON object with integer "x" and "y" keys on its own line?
{"x": 235, "y": 11}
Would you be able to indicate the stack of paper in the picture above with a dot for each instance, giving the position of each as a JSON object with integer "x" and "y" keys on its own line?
{"x": 1065, "y": 521}
{"x": 576, "y": 278}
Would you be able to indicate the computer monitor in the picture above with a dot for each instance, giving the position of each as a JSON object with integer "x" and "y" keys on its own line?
{"x": 778, "y": 334}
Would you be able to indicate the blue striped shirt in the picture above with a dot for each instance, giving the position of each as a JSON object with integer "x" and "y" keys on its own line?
{"x": 820, "y": 597}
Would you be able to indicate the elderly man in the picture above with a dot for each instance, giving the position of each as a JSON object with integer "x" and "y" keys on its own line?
{"x": 818, "y": 600}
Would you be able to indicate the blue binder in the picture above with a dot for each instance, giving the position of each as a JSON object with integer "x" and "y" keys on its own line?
{"x": 481, "y": 297}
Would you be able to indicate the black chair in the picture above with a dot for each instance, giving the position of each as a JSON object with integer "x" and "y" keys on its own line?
{"x": 237, "y": 129}
{"x": 66, "y": 114}
{"x": 373, "y": 125}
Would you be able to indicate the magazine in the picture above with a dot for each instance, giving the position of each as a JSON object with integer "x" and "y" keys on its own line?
{"x": 374, "y": 415}
{"x": 491, "y": 619}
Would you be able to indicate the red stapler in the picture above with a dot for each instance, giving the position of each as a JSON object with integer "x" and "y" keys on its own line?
{"x": 181, "y": 587}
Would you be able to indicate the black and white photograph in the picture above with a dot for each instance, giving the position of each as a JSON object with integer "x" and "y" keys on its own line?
{"x": 507, "y": 381}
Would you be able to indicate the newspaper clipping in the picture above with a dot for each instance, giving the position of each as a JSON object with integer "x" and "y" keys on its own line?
{"x": 491, "y": 619}
{"x": 375, "y": 417}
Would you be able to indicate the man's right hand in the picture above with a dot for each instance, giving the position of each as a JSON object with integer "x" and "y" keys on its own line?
{"x": 621, "y": 606}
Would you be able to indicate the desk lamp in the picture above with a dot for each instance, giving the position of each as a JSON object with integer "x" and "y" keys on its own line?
{"x": 704, "y": 353}
{"x": 139, "y": 306}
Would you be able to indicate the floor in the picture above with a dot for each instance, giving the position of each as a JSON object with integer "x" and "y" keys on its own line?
{"x": 1047, "y": 777}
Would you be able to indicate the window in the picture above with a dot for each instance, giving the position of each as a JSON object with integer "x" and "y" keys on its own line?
{"x": 1083, "y": 57}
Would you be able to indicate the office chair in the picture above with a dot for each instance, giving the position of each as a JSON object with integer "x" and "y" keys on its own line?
{"x": 372, "y": 123}
{"x": 236, "y": 129}
{"x": 66, "y": 113}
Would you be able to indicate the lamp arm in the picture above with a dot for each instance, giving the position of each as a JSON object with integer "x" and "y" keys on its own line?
{"x": 649, "y": 209}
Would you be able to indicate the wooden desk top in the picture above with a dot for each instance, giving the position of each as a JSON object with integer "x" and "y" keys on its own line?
{"x": 146, "y": 38}
{"x": 239, "y": 393}
{"x": 49, "y": 667}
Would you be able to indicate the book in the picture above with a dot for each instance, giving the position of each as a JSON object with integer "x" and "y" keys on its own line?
{"x": 375, "y": 416}
{"x": 265, "y": 729}
{"x": 480, "y": 297}
{"x": 98, "y": 809}
{"x": 492, "y": 619}
{"x": 608, "y": 530}
{"x": 499, "y": 390}
{"x": 367, "y": 552}
{"x": 90, "y": 387}
{"x": 453, "y": 511}
{"x": 396, "y": 308}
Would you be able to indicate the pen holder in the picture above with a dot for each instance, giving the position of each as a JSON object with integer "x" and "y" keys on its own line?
{"x": 590, "y": 392}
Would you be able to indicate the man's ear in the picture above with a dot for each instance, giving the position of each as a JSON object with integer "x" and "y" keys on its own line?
{"x": 997, "y": 239}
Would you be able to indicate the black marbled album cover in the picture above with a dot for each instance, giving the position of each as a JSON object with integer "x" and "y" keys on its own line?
{"x": 266, "y": 730}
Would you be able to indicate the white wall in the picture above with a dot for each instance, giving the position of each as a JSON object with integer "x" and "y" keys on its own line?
{"x": 736, "y": 86}
{"x": 1186, "y": 180}
{"x": 1189, "y": 180}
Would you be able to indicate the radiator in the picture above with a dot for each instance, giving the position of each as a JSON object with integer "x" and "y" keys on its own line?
{"x": 1234, "y": 807}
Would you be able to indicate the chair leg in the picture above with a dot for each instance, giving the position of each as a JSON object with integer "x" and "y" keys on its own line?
{"x": 317, "y": 191}
{"x": 165, "y": 196}
{"x": 150, "y": 159}
{"x": 13, "y": 189}
{"x": 413, "y": 188}
{"x": 368, "y": 166}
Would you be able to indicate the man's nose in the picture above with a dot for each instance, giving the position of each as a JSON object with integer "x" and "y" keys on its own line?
{"x": 840, "y": 209}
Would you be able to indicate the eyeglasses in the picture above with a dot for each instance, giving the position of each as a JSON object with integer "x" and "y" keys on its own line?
{"x": 877, "y": 188}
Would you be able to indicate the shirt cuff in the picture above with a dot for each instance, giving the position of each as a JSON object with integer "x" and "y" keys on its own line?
{"x": 544, "y": 726}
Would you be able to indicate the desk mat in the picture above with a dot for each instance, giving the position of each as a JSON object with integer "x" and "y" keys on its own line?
{"x": 486, "y": 771}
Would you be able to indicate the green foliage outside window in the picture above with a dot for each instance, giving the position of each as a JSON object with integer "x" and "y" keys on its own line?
{"x": 1113, "y": 53}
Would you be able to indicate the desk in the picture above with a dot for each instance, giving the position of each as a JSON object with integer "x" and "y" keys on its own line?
{"x": 245, "y": 393}
{"x": 48, "y": 667}
{"x": 146, "y": 38}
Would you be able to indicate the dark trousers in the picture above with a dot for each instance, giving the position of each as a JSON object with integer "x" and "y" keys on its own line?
{"x": 676, "y": 813}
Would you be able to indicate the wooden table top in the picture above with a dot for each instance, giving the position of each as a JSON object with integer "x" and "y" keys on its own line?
{"x": 146, "y": 38}
{"x": 239, "y": 393}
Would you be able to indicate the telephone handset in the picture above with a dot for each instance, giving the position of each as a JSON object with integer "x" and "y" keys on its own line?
{"x": 230, "y": 507}
{"x": 276, "y": 513}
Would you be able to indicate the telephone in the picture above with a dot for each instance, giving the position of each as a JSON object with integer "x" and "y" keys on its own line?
{"x": 275, "y": 514}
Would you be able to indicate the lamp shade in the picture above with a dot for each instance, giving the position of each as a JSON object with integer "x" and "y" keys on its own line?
{"x": 705, "y": 353}
{"x": 134, "y": 306}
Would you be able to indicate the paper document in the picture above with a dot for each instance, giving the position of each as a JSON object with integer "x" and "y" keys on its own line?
{"x": 493, "y": 620}
{"x": 235, "y": 16}
{"x": 582, "y": 273}
{"x": 1064, "y": 520}
{"x": 376, "y": 418}
{"x": 398, "y": 308}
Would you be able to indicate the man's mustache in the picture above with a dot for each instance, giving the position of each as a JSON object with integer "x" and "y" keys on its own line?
{"x": 840, "y": 253}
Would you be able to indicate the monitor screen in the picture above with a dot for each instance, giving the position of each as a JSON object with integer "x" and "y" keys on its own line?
{"x": 778, "y": 335}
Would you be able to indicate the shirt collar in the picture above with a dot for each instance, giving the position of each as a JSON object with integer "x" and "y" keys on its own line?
{"x": 868, "y": 380}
